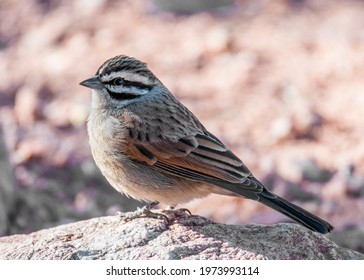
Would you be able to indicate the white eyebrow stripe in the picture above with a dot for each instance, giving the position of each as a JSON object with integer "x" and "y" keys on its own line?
{"x": 132, "y": 77}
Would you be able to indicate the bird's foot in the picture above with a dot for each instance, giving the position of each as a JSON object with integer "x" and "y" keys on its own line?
{"x": 173, "y": 213}
{"x": 145, "y": 211}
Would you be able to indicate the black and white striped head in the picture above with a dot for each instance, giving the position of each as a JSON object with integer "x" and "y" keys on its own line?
{"x": 120, "y": 80}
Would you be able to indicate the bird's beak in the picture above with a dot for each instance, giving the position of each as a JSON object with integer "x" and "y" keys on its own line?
{"x": 93, "y": 83}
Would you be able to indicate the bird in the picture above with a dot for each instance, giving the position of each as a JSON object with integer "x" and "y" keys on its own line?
{"x": 150, "y": 147}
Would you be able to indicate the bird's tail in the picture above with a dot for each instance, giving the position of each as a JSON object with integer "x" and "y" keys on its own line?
{"x": 294, "y": 212}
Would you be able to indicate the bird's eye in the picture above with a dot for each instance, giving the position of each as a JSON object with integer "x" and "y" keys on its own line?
{"x": 117, "y": 81}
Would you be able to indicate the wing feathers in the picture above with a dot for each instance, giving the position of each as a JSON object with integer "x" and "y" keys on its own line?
{"x": 185, "y": 172}
{"x": 200, "y": 157}
{"x": 151, "y": 159}
{"x": 226, "y": 157}
{"x": 210, "y": 142}
{"x": 186, "y": 145}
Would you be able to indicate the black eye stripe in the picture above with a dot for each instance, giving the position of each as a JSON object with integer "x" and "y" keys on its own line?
{"x": 126, "y": 83}
{"x": 122, "y": 96}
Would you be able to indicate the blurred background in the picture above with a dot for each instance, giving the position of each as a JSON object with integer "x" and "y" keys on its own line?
{"x": 280, "y": 82}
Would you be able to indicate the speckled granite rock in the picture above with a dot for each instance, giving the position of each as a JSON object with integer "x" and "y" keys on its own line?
{"x": 183, "y": 237}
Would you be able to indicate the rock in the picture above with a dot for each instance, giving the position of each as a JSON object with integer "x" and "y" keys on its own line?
{"x": 182, "y": 237}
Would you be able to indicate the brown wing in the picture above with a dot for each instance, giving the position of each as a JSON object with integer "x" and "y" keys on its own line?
{"x": 199, "y": 157}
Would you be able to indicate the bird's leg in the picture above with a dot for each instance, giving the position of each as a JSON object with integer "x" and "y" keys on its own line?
{"x": 145, "y": 211}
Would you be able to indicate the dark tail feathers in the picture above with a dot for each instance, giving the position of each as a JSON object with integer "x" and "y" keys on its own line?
{"x": 294, "y": 212}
